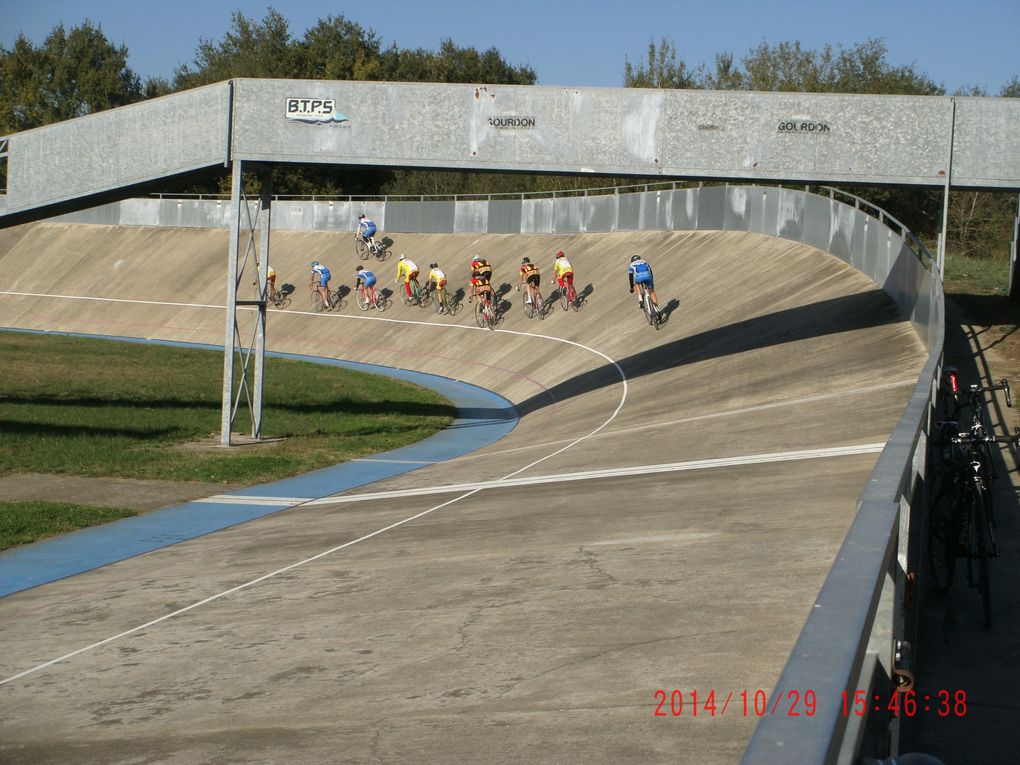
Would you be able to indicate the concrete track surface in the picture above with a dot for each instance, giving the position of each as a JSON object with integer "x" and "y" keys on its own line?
{"x": 528, "y": 623}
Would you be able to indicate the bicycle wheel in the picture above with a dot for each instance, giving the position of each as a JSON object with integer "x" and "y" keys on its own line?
{"x": 335, "y": 301}
{"x": 317, "y": 304}
{"x": 362, "y": 300}
{"x": 439, "y": 302}
{"x": 572, "y": 296}
{"x": 282, "y": 302}
{"x": 943, "y": 530}
{"x": 529, "y": 308}
{"x": 540, "y": 305}
{"x": 981, "y": 549}
{"x": 361, "y": 248}
{"x": 649, "y": 309}
{"x": 480, "y": 315}
{"x": 381, "y": 302}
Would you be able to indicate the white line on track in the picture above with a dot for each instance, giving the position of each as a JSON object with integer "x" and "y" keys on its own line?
{"x": 585, "y": 475}
{"x": 246, "y": 585}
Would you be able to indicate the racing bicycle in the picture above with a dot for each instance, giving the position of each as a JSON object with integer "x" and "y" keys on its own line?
{"x": 537, "y": 306}
{"x": 652, "y": 312}
{"x": 365, "y": 249}
{"x": 378, "y": 300}
{"x": 335, "y": 301}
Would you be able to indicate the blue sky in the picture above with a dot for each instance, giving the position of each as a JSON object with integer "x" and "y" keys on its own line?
{"x": 575, "y": 42}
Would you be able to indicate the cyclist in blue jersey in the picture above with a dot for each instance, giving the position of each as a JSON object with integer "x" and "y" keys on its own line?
{"x": 366, "y": 228}
{"x": 320, "y": 278}
{"x": 640, "y": 273}
{"x": 365, "y": 281}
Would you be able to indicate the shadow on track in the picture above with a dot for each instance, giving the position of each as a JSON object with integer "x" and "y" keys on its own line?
{"x": 828, "y": 317}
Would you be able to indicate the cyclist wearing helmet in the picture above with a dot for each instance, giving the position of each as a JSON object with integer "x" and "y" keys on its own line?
{"x": 366, "y": 228}
{"x": 320, "y": 276}
{"x": 436, "y": 282}
{"x": 529, "y": 272}
{"x": 407, "y": 270}
{"x": 365, "y": 281}
{"x": 564, "y": 271}
{"x": 640, "y": 273}
{"x": 481, "y": 271}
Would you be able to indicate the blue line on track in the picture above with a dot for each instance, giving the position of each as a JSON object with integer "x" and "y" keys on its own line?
{"x": 482, "y": 418}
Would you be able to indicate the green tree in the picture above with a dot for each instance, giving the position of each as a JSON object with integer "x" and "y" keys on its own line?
{"x": 1011, "y": 89}
{"x": 71, "y": 74}
{"x": 661, "y": 69}
{"x": 249, "y": 49}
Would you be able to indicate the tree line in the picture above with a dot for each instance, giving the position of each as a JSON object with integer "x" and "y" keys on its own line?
{"x": 78, "y": 71}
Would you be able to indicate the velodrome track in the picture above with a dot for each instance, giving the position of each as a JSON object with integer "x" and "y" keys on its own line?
{"x": 722, "y": 458}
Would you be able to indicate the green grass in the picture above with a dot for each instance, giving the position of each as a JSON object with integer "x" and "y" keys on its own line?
{"x": 77, "y": 406}
{"x": 976, "y": 276}
{"x": 24, "y": 522}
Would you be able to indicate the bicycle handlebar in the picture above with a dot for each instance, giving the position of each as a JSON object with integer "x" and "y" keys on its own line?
{"x": 1002, "y": 385}
{"x": 968, "y": 437}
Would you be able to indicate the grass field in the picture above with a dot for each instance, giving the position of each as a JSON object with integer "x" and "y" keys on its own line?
{"x": 78, "y": 406}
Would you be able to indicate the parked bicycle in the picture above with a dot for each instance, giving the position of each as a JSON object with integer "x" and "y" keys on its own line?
{"x": 961, "y": 516}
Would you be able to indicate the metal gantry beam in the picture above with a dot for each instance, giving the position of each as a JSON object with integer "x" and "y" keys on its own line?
{"x": 244, "y": 363}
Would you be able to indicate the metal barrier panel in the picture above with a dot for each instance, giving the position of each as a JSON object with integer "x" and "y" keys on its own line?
{"x": 629, "y": 212}
{"x": 712, "y": 208}
{"x": 736, "y": 213}
{"x": 420, "y": 217}
{"x": 600, "y": 212}
{"x": 790, "y": 216}
{"x": 817, "y": 224}
{"x": 841, "y": 230}
{"x": 567, "y": 215}
{"x": 685, "y": 209}
{"x": 471, "y": 217}
{"x": 537, "y": 216}
{"x": 504, "y": 216}
{"x": 859, "y": 242}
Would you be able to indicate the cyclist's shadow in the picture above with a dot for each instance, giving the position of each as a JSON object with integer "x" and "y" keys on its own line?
{"x": 287, "y": 289}
{"x": 667, "y": 311}
{"x": 501, "y": 306}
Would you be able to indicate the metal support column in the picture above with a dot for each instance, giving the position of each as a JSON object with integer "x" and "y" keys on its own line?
{"x": 236, "y": 382}
{"x": 941, "y": 253}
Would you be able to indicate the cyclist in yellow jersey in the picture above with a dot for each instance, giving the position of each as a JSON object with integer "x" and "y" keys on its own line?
{"x": 564, "y": 271}
{"x": 407, "y": 270}
{"x": 437, "y": 281}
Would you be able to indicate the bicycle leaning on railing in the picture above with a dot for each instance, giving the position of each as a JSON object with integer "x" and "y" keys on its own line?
{"x": 961, "y": 515}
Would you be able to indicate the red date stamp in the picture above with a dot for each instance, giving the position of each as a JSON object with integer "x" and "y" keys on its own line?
{"x": 745, "y": 703}
{"x": 805, "y": 703}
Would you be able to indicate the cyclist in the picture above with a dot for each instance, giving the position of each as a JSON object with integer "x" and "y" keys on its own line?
{"x": 407, "y": 270}
{"x": 366, "y": 228}
{"x": 486, "y": 294}
{"x": 270, "y": 283}
{"x": 321, "y": 276}
{"x": 365, "y": 281}
{"x": 481, "y": 271}
{"x": 564, "y": 271}
{"x": 640, "y": 273}
{"x": 437, "y": 281}
{"x": 529, "y": 272}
